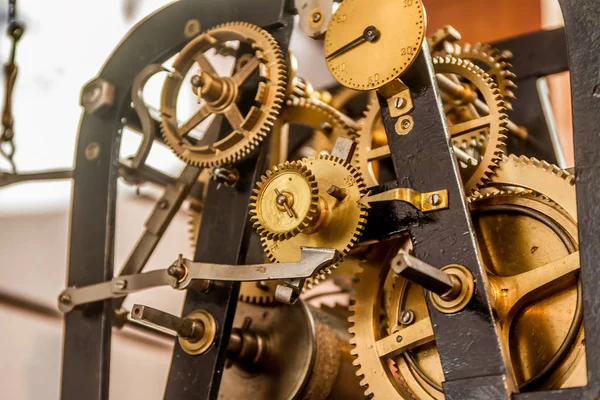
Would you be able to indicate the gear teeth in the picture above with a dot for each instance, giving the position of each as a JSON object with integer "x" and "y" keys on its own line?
{"x": 497, "y": 66}
{"x": 494, "y": 149}
{"x": 269, "y": 50}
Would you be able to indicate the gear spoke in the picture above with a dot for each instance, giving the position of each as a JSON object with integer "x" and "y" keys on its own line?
{"x": 205, "y": 65}
{"x": 406, "y": 339}
{"x": 234, "y": 117}
{"x": 470, "y": 126}
{"x": 244, "y": 72}
{"x": 518, "y": 289}
{"x": 194, "y": 121}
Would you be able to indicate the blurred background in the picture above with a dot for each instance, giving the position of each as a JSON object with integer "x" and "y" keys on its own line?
{"x": 64, "y": 46}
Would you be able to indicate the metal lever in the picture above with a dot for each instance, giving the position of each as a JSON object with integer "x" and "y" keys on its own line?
{"x": 183, "y": 273}
{"x": 183, "y": 327}
{"x": 447, "y": 286}
{"x": 11, "y": 179}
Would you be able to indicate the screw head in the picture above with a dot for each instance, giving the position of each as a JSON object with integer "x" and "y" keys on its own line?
{"x": 121, "y": 284}
{"x": 399, "y": 102}
{"x": 434, "y": 199}
{"x": 64, "y": 299}
{"x": 316, "y": 16}
{"x": 398, "y": 338}
{"x": 92, "y": 151}
{"x": 407, "y": 317}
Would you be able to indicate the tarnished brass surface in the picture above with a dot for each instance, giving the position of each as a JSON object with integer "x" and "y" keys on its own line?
{"x": 199, "y": 346}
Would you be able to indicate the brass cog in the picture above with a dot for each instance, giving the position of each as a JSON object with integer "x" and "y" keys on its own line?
{"x": 285, "y": 201}
{"x": 339, "y": 222}
{"x": 494, "y": 63}
{"x": 327, "y": 123}
{"x": 481, "y": 138}
{"x": 491, "y": 149}
{"x": 220, "y": 95}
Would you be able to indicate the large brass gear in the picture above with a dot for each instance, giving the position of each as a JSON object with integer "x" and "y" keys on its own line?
{"x": 339, "y": 222}
{"x": 328, "y": 125}
{"x": 494, "y": 63}
{"x": 221, "y": 94}
{"x": 517, "y": 219}
{"x": 285, "y": 201}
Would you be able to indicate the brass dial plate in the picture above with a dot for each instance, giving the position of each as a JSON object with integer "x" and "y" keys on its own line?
{"x": 400, "y": 27}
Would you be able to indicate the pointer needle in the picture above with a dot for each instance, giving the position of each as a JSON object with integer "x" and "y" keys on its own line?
{"x": 370, "y": 34}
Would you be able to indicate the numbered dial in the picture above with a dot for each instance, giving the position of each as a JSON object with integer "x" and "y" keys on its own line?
{"x": 370, "y": 43}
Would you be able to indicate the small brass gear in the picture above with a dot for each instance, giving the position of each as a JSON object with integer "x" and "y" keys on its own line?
{"x": 494, "y": 63}
{"x": 328, "y": 125}
{"x": 371, "y": 143}
{"x": 220, "y": 95}
{"x": 490, "y": 148}
{"x": 339, "y": 221}
{"x": 285, "y": 201}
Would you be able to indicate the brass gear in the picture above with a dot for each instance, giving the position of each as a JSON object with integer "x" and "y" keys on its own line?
{"x": 285, "y": 201}
{"x": 338, "y": 224}
{"x": 463, "y": 134}
{"x": 328, "y": 125}
{"x": 494, "y": 63}
{"x": 220, "y": 95}
{"x": 555, "y": 314}
{"x": 488, "y": 147}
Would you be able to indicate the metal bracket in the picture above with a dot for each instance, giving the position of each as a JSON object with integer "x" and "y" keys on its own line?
{"x": 425, "y": 202}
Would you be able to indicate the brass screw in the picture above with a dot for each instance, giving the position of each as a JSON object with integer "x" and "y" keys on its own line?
{"x": 92, "y": 151}
{"x": 316, "y": 17}
{"x": 407, "y": 317}
{"x": 121, "y": 284}
{"x": 399, "y": 102}
{"x": 192, "y": 28}
{"x": 398, "y": 338}
{"x": 65, "y": 299}
{"x": 434, "y": 199}
{"x": 404, "y": 125}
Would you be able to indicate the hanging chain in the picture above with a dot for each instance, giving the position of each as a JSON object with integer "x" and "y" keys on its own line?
{"x": 15, "y": 31}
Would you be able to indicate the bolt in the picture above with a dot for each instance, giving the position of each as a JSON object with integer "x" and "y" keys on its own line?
{"x": 399, "y": 102}
{"x": 197, "y": 81}
{"x": 176, "y": 271}
{"x": 120, "y": 284}
{"x": 337, "y": 192}
{"x": 407, "y": 317}
{"x": 398, "y": 338}
{"x": 163, "y": 204}
{"x": 326, "y": 128}
{"x": 316, "y": 16}
{"x": 64, "y": 299}
{"x": 192, "y": 28}
{"x": 434, "y": 199}
{"x": 92, "y": 151}
{"x": 405, "y": 124}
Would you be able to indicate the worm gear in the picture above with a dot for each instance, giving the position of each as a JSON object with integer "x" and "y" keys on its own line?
{"x": 285, "y": 201}
{"x": 518, "y": 232}
{"x": 338, "y": 222}
{"x": 494, "y": 63}
{"x": 328, "y": 125}
{"x": 220, "y": 95}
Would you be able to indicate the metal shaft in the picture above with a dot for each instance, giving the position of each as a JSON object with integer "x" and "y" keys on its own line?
{"x": 185, "y": 328}
{"x": 425, "y": 275}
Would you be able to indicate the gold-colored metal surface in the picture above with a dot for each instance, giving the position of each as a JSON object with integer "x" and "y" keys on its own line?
{"x": 450, "y": 306}
{"x": 343, "y": 220}
{"x": 219, "y": 95}
{"x": 487, "y": 132}
{"x": 529, "y": 247}
{"x": 328, "y": 125}
{"x": 493, "y": 62}
{"x": 285, "y": 201}
{"x": 362, "y": 62}
{"x": 201, "y": 345}
{"x": 425, "y": 202}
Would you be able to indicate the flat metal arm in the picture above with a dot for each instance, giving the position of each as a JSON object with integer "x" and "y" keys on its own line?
{"x": 311, "y": 260}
